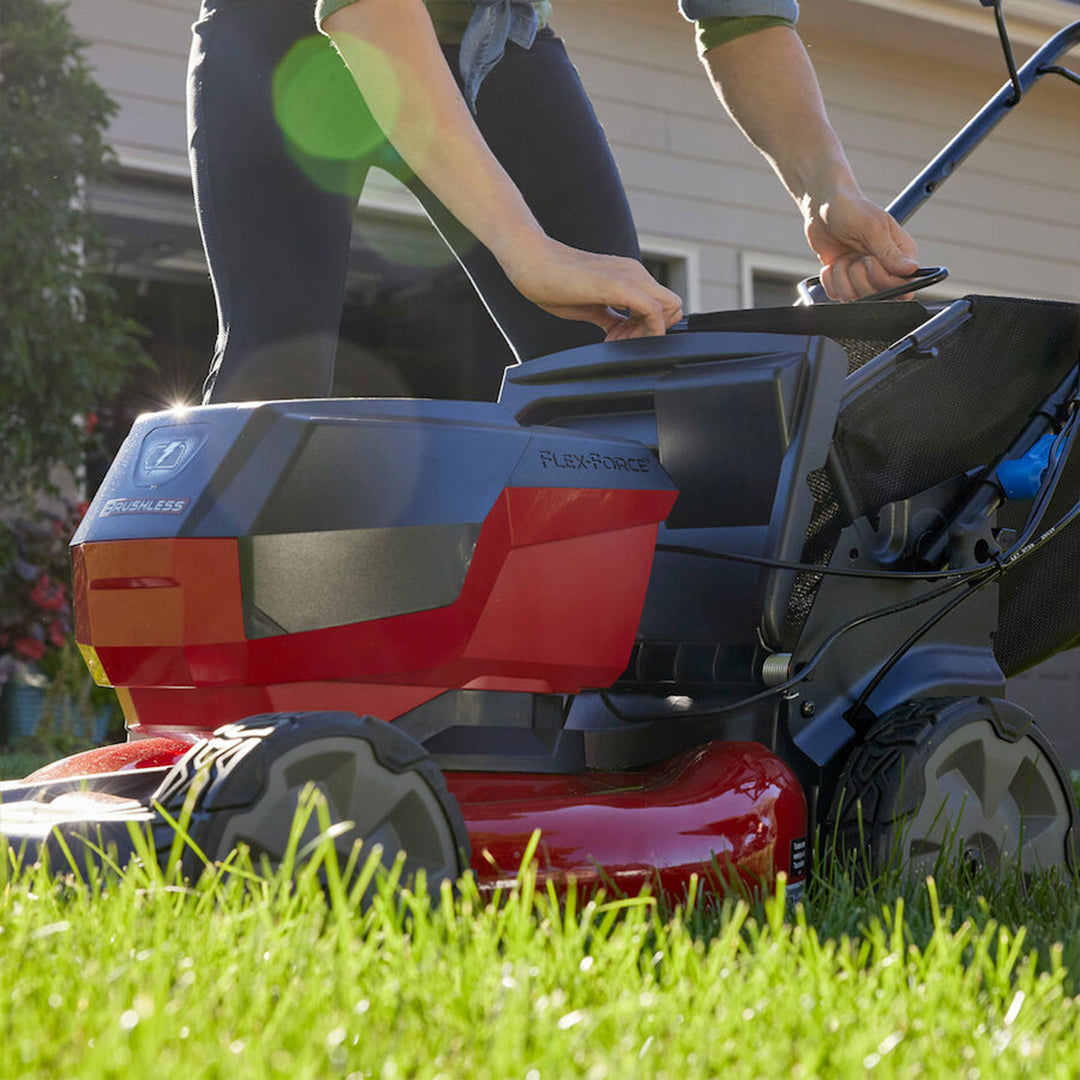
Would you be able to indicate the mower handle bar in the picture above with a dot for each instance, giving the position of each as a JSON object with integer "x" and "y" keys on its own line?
{"x": 981, "y": 124}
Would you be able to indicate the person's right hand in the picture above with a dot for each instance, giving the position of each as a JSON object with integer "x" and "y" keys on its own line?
{"x": 617, "y": 294}
{"x": 863, "y": 250}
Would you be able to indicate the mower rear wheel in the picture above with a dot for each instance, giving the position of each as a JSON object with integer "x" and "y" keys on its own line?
{"x": 249, "y": 778}
{"x": 967, "y": 777}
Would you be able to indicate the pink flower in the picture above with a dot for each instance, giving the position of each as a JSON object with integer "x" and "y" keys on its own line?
{"x": 48, "y": 595}
{"x": 29, "y": 648}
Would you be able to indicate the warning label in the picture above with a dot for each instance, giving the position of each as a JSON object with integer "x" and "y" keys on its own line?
{"x": 798, "y": 857}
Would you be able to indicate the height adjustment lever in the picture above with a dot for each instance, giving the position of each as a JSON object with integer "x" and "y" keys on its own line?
{"x": 1021, "y": 478}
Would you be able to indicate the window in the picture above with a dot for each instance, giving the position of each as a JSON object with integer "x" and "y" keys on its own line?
{"x": 675, "y": 265}
{"x": 770, "y": 280}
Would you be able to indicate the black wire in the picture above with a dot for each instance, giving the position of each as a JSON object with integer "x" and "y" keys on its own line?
{"x": 1064, "y": 72}
{"x": 971, "y": 580}
{"x": 1060, "y": 451}
{"x": 990, "y": 572}
{"x": 1018, "y": 552}
{"x": 1059, "y": 454}
{"x": 970, "y": 590}
{"x": 1016, "y": 555}
{"x": 1022, "y": 549}
{"x": 805, "y": 669}
{"x": 813, "y": 568}
{"x": 1006, "y": 46}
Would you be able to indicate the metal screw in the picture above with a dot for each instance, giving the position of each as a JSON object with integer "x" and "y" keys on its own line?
{"x": 807, "y": 708}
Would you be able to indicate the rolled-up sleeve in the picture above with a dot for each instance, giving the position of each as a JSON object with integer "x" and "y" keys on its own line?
{"x": 696, "y": 10}
{"x": 720, "y": 21}
{"x": 325, "y": 8}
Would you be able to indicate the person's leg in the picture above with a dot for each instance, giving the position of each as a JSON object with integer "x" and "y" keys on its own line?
{"x": 275, "y": 220}
{"x": 538, "y": 120}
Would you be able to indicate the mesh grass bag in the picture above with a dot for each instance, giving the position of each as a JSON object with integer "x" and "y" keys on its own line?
{"x": 935, "y": 416}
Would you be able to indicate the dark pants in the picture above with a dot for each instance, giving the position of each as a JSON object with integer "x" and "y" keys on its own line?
{"x": 275, "y": 196}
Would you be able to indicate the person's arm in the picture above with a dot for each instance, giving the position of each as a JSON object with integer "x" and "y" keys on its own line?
{"x": 766, "y": 82}
{"x": 395, "y": 59}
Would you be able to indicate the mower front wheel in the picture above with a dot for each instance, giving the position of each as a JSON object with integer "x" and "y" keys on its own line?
{"x": 967, "y": 777}
{"x": 245, "y": 784}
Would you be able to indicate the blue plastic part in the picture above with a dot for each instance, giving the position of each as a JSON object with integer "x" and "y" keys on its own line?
{"x": 1022, "y": 477}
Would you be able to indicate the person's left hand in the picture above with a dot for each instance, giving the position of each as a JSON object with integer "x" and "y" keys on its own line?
{"x": 862, "y": 248}
{"x": 617, "y": 294}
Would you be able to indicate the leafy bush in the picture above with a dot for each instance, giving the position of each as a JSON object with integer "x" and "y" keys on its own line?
{"x": 63, "y": 347}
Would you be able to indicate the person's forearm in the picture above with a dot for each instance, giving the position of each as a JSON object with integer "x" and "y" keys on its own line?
{"x": 767, "y": 84}
{"x": 396, "y": 61}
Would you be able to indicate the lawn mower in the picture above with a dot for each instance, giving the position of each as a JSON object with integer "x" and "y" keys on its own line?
{"x": 678, "y": 603}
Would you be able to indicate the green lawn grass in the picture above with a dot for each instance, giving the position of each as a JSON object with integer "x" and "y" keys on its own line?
{"x": 244, "y": 976}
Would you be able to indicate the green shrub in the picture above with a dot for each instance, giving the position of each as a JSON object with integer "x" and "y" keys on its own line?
{"x": 64, "y": 349}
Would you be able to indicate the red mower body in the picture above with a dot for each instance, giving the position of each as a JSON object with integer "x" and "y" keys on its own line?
{"x": 213, "y": 584}
{"x": 549, "y": 604}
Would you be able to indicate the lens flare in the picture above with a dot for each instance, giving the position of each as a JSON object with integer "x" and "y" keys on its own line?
{"x": 333, "y": 136}
{"x": 327, "y": 125}
{"x": 317, "y": 104}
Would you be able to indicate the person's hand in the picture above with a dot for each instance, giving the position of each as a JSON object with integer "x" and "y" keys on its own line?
{"x": 863, "y": 250}
{"x": 617, "y": 294}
